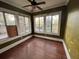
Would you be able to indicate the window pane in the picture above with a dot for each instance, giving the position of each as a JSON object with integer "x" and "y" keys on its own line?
{"x": 22, "y": 24}
{"x": 41, "y": 24}
{"x": 48, "y": 23}
{"x": 55, "y": 23}
{"x": 3, "y": 32}
{"x": 10, "y": 19}
{"x": 37, "y": 23}
{"x": 27, "y": 24}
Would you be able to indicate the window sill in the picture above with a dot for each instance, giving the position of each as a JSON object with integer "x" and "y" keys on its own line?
{"x": 57, "y": 34}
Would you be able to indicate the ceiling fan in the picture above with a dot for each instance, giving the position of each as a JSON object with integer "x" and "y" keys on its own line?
{"x": 34, "y": 4}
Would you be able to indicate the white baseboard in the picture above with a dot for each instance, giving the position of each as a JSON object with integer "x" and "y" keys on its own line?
{"x": 14, "y": 44}
{"x": 56, "y": 39}
{"x": 66, "y": 50}
{"x": 50, "y": 38}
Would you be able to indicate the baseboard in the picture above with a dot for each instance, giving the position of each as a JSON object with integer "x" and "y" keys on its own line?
{"x": 14, "y": 44}
{"x": 66, "y": 50}
{"x": 55, "y": 39}
{"x": 50, "y": 38}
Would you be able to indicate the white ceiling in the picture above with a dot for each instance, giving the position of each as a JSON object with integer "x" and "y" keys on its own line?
{"x": 49, "y": 4}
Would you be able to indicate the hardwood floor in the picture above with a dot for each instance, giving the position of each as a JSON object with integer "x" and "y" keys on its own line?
{"x": 36, "y": 48}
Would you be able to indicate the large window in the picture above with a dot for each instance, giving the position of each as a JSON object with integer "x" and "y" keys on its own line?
{"x": 24, "y": 25}
{"x": 39, "y": 24}
{"x": 11, "y": 25}
{"x": 49, "y": 24}
{"x": 3, "y": 31}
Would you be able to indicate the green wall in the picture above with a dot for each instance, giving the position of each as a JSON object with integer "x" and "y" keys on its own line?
{"x": 72, "y": 29}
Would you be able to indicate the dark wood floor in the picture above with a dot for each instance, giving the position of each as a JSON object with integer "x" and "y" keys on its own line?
{"x": 36, "y": 48}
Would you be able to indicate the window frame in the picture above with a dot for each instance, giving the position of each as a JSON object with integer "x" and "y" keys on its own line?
{"x": 50, "y": 24}
{"x": 4, "y": 25}
{"x": 29, "y": 21}
{"x": 39, "y": 24}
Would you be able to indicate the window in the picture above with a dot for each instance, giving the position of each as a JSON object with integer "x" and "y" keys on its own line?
{"x": 55, "y": 24}
{"x": 39, "y": 24}
{"x": 24, "y": 25}
{"x": 48, "y": 24}
{"x": 3, "y": 32}
{"x": 27, "y": 25}
{"x": 11, "y": 25}
{"x": 10, "y": 19}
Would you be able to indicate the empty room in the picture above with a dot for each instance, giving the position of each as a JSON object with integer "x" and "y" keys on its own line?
{"x": 39, "y": 29}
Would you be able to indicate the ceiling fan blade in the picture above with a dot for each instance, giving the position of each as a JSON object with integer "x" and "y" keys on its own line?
{"x": 27, "y": 5}
{"x": 39, "y": 7}
{"x": 29, "y": 0}
{"x": 33, "y": 0}
{"x": 40, "y": 3}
